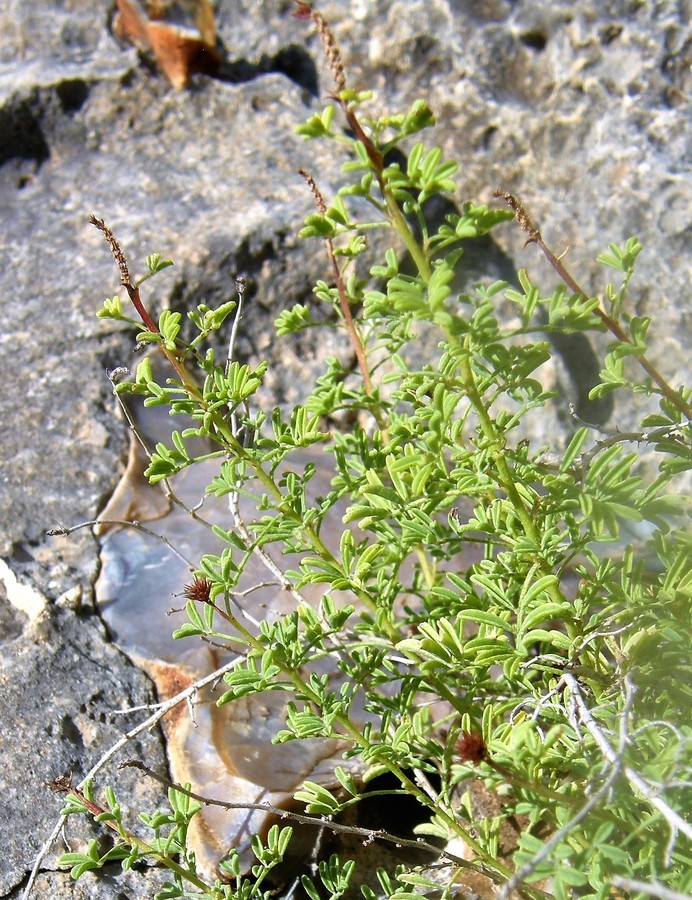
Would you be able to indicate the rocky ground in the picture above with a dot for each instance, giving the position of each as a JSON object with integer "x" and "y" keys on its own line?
{"x": 580, "y": 108}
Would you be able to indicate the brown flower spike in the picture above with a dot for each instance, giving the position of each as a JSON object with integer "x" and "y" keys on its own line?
{"x": 331, "y": 48}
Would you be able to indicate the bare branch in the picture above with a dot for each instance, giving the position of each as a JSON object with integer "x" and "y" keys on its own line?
{"x": 368, "y": 834}
{"x": 123, "y": 523}
{"x": 640, "y": 785}
{"x": 651, "y": 888}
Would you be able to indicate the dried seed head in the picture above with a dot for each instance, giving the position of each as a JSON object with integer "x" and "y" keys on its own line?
{"x": 62, "y": 784}
{"x": 523, "y": 217}
{"x": 117, "y": 374}
{"x": 316, "y": 193}
{"x": 118, "y": 254}
{"x": 200, "y": 590}
{"x": 471, "y": 748}
{"x": 303, "y": 10}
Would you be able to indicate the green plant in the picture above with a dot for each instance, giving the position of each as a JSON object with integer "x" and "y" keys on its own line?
{"x": 559, "y": 660}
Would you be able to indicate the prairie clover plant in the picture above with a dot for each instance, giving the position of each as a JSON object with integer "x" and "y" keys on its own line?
{"x": 555, "y": 668}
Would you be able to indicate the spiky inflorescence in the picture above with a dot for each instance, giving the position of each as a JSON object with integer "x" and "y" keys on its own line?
{"x": 200, "y": 589}
{"x": 305, "y": 11}
{"x": 523, "y": 217}
{"x": 118, "y": 254}
{"x": 316, "y": 193}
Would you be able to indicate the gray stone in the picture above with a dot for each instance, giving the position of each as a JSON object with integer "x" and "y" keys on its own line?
{"x": 60, "y": 683}
{"x": 110, "y": 882}
{"x": 578, "y": 108}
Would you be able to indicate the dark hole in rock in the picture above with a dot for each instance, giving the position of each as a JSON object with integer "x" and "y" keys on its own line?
{"x": 393, "y": 157}
{"x": 11, "y": 620}
{"x": 72, "y": 94}
{"x": 483, "y": 10}
{"x": 21, "y": 134}
{"x": 294, "y": 62}
{"x": 422, "y": 47}
{"x": 398, "y": 814}
{"x": 20, "y": 554}
{"x": 535, "y": 39}
{"x": 583, "y": 367}
{"x": 675, "y": 65}
{"x": 297, "y": 64}
{"x": 70, "y": 732}
{"x": 489, "y": 137}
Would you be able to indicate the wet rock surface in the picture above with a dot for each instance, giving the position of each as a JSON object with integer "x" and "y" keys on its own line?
{"x": 580, "y": 108}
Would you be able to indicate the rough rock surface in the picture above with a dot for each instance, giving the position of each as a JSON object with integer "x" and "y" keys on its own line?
{"x": 60, "y": 683}
{"x": 580, "y": 108}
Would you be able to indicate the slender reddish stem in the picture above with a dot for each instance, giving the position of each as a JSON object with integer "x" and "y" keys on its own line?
{"x": 613, "y": 326}
{"x": 341, "y": 288}
{"x": 133, "y": 293}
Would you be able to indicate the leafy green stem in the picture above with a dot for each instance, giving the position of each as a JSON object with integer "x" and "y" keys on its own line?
{"x": 613, "y": 326}
{"x": 348, "y": 730}
{"x": 403, "y": 229}
{"x": 112, "y": 820}
{"x": 494, "y": 439}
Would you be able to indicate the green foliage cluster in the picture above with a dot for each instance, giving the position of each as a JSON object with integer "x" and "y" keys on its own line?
{"x": 562, "y": 650}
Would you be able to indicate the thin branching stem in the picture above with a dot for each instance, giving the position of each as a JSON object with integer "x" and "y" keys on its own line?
{"x": 367, "y": 834}
{"x": 64, "y": 531}
{"x": 355, "y": 337}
